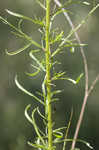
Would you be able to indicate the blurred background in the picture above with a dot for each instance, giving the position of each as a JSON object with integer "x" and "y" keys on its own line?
{"x": 15, "y": 130}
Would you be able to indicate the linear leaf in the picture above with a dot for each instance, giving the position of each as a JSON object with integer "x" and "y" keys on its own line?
{"x": 86, "y": 3}
{"x": 56, "y": 51}
{"x": 26, "y": 114}
{"x": 56, "y": 92}
{"x": 19, "y": 50}
{"x": 19, "y": 15}
{"x": 58, "y": 134}
{"x": 27, "y": 92}
{"x": 40, "y": 113}
{"x": 36, "y": 60}
{"x": 35, "y": 126}
{"x": 57, "y": 38}
{"x": 58, "y": 12}
{"x": 72, "y": 80}
{"x": 75, "y": 45}
{"x": 33, "y": 74}
{"x": 77, "y": 27}
{"x": 37, "y": 145}
{"x": 78, "y": 140}
{"x": 42, "y": 5}
{"x": 79, "y": 77}
{"x": 32, "y": 121}
{"x": 25, "y": 36}
{"x": 25, "y": 17}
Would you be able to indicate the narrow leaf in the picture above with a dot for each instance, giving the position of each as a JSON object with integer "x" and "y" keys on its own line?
{"x": 19, "y": 15}
{"x": 58, "y": 12}
{"x": 75, "y": 45}
{"x": 58, "y": 50}
{"x": 78, "y": 27}
{"x": 33, "y": 74}
{"x": 17, "y": 34}
{"x": 57, "y": 38}
{"x": 36, "y": 128}
{"x": 40, "y": 113}
{"x": 38, "y": 146}
{"x": 56, "y": 92}
{"x": 14, "y": 14}
{"x": 32, "y": 121}
{"x": 78, "y": 79}
{"x": 86, "y": 3}
{"x": 25, "y": 36}
{"x": 19, "y": 50}
{"x": 73, "y": 81}
{"x": 26, "y": 114}
{"x": 58, "y": 134}
{"x": 25, "y": 17}
{"x": 42, "y": 5}
{"x": 26, "y": 92}
{"x": 36, "y": 60}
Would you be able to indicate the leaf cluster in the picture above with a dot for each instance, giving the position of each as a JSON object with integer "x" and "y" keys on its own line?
{"x": 62, "y": 41}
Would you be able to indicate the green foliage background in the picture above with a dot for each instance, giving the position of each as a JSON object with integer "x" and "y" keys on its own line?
{"x": 14, "y": 128}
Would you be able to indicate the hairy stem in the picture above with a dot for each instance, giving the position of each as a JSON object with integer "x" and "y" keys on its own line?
{"x": 48, "y": 81}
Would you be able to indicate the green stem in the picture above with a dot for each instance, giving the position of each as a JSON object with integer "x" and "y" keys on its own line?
{"x": 48, "y": 80}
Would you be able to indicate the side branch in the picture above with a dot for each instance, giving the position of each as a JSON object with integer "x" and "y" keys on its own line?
{"x": 87, "y": 91}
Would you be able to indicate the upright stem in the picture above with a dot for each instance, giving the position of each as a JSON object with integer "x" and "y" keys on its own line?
{"x": 48, "y": 80}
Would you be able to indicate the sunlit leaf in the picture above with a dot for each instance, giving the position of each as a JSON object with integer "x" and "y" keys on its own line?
{"x": 58, "y": 134}
{"x": 14, "y": 14}
{"x": 72, "y": 80}
{"x": 59, "y": 129}
{"x": 33, "y": 74}
{"x": 86, "y": 3}
{"x": 26, "y": 114}
{"x": 72, "y": 49}
{"x": 78, "y": 79}
{"x": 58, "y": 75}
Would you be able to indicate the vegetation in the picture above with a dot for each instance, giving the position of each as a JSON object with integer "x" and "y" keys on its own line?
{"x": 53, "y": 43}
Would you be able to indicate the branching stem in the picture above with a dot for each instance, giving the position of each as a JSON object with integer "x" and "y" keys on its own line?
{"x": 87, "y": 91}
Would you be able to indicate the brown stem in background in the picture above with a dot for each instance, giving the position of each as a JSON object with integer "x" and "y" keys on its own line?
{"x": 87, "y": 92}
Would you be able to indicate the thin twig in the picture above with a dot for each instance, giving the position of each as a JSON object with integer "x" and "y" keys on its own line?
{"x": 93, "y": 84}
{"x": 67, "y": 130}
{"x": 87, "y": 92}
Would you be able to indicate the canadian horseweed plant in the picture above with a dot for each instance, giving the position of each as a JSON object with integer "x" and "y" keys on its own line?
{"x": 50, "y": 137}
